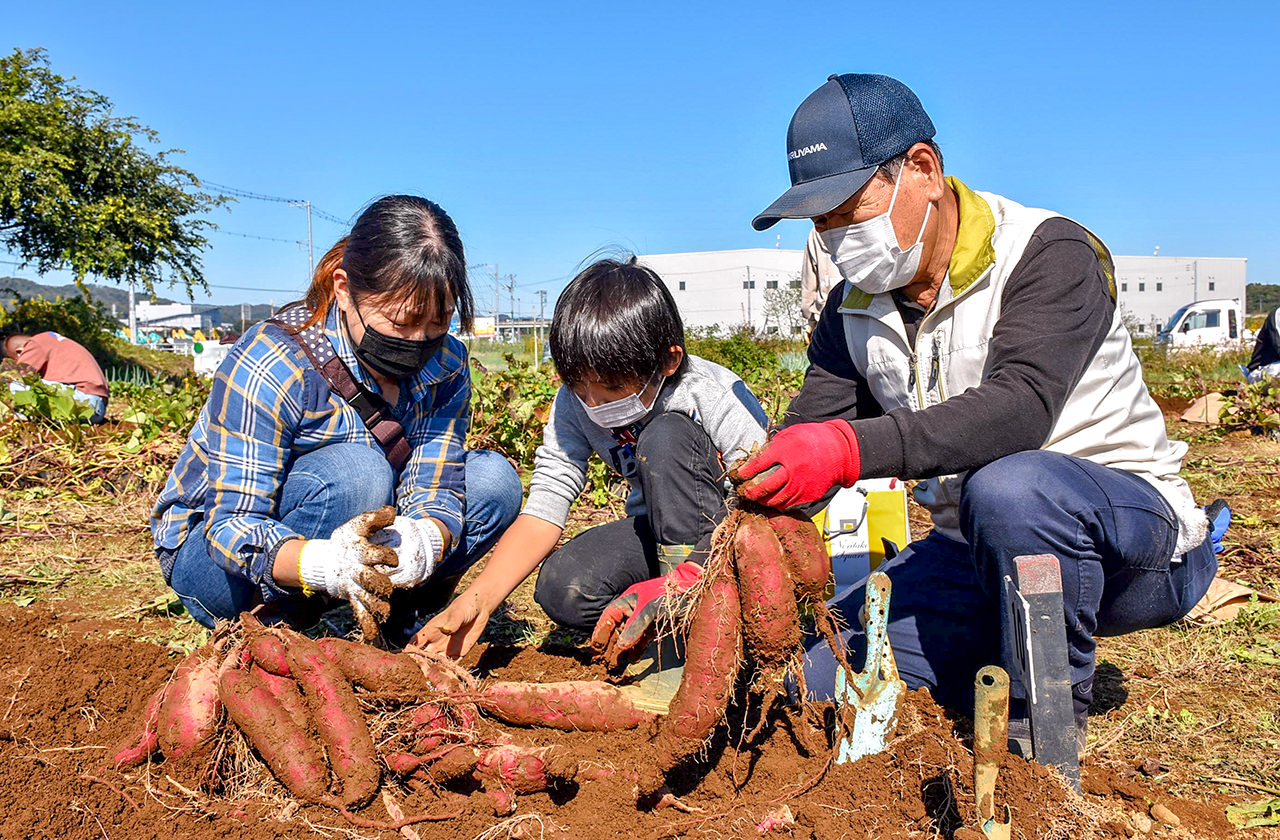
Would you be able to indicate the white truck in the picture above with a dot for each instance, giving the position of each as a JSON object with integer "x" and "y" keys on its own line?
{"x": 1206, "y": 323}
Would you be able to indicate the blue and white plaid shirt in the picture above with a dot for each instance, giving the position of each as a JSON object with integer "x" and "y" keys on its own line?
{"x": 269, "y": 405}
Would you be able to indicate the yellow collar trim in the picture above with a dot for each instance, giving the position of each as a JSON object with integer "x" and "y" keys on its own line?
{"x": 973, "y": 253}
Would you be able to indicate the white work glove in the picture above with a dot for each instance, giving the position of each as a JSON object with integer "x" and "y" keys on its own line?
{"x": 347, "y": 565}
{"x": 418, "y": 544}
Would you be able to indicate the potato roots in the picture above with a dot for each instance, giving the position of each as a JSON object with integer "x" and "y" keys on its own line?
{"x": 191, "y": 709}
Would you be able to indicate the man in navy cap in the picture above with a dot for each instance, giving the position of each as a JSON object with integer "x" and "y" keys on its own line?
{"x": 975, "y": 346}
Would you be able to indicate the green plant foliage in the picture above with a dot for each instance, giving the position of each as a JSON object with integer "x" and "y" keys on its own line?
{"x": 1263, "y": 297}
{"x": 158, "y": 408}
{"x": 1255, "y": 405}
{"x": 1191, "y": 373}
{"x": 759, "y": 360}
{"x": 32, "y": 399}
{"x": 80, "y": 191}
{"x": 509, "y": 407}
{"x": 1255, "y": 814}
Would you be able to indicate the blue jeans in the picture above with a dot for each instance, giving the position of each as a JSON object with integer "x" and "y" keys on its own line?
{"x": 326, "y": 488}
{"x": 1112, "y": 533}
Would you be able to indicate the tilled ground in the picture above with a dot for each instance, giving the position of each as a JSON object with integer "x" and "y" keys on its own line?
{"x": 71, "y": 688}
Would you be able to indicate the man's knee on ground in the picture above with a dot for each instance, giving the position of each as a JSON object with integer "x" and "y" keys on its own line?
{"x": 1011, "y": 488}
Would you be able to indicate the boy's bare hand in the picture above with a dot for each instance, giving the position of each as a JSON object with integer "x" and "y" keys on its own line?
{"x": 456, "y": 630}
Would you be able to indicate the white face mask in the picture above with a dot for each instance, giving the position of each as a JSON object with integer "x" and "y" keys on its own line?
{"x": 868, "y": 254}
{"x": 622, "y": 412}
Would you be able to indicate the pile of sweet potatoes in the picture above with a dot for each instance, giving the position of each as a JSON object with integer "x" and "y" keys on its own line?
{"x": 309, "y": 709}
{"x": 334, "y": 719}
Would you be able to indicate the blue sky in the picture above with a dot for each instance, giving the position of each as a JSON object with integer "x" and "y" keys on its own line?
{"x": 550, "y": 131}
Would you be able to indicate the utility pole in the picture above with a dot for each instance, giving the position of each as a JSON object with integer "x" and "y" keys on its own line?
{"x": 133, "y": 315}
{"x": 497, "y": 281}
{"x": 749, "y": 321}
{"x": 311, "y": 256}
{"x": 542, "y": 319}
{"x": 511, "y": 288}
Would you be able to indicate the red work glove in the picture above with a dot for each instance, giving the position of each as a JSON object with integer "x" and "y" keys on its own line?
{"x": 801, "y": 464}
{"x": 627, "y": 624}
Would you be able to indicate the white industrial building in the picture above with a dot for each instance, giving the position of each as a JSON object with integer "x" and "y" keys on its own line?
{"x": 174, "y": 316}
{"x": 1151, "y": 289}
{"x": 735, "y": 288}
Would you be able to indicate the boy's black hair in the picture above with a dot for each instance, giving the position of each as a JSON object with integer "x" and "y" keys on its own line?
{"x": 615, "y": 321}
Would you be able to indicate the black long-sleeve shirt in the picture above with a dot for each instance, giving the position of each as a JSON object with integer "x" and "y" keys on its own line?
{"x": 1056, "y": 309}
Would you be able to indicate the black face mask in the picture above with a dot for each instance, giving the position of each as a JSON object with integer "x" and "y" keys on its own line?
{"x": 392, "y": 356}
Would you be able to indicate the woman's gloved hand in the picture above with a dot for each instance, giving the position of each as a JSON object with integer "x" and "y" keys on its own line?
{"x": 418, "y": 544}
{"x": 346, "y": 566}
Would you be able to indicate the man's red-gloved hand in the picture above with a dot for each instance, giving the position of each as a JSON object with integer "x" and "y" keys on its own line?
{"x": 627, "y": 624}
{"x": 801, "y": 464}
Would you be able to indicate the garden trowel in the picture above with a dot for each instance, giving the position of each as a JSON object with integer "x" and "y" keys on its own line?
{"x": 871, "y": 696}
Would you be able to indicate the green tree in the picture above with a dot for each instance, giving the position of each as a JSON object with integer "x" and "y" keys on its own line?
{"x": 80, "y": 191}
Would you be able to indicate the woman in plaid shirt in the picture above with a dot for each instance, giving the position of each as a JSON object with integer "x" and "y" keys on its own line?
{"x": 260, "y": 505}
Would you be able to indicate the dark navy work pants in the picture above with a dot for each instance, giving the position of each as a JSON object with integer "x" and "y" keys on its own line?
{"x": 1112, "y": 533}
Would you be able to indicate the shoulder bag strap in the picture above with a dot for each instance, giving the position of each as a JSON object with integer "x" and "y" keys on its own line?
{"x": 372, "y": 408}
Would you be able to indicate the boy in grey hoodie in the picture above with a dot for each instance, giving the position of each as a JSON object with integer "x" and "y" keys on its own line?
{"x": 668, "y": 422}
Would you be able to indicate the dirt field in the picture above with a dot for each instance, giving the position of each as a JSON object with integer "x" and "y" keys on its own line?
{"x": 1185, "y": 717}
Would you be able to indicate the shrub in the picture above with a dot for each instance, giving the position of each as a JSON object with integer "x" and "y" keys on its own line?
{"x": 77, "y": 318}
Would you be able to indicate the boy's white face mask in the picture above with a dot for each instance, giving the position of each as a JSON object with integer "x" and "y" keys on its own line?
{"x": 868, "y": 255}
{"x": 618, "y": 413}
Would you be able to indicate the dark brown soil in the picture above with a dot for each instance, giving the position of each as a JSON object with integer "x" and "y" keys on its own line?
{"x": 71, "y": 689}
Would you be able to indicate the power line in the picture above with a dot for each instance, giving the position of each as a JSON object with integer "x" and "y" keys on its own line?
{"x": 255, "y": 289}
{"x": 293, "y": 202}
{"x": 264, "y": 238}
{"x": 329, "y": 217}
{"x": 255, "y": 196}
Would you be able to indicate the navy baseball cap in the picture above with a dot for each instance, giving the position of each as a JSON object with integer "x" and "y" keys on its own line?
{"x": 837, "y": 138}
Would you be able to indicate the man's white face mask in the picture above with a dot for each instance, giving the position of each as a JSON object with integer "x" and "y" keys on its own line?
{"x": 868, "y": 255}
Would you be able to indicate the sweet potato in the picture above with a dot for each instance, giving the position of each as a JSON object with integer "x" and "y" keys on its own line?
{"x": 269, "y": 652}
{"x": 456, "y": 764}
{"x": 770, "y": 617}
{"x": 581, "y": 705}
{"x": 442, "y": 673}
{"x": 428, "y": 726}
{"x": 287, "y": 694}
{"x": 286, "y": 747}
{"x": 137, "y": 748}
{"x": 190, "y": 711}
{"x": 524, "y": 769}
{"x": 713, "y": 645}
{"x": 390, "y": 675}
{"x": 805, "y": 552}
{"x": 338, "y": 721}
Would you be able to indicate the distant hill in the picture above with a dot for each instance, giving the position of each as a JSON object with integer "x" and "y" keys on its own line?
{"x": 1262, "y": 297}
{"x": 106, "y": 295}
